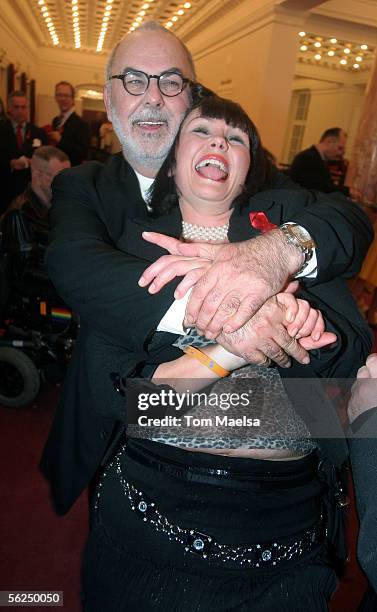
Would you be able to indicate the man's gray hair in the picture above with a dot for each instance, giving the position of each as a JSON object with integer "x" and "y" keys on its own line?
{"x": 47, "y": 152}
{"x": 148, "y": 26}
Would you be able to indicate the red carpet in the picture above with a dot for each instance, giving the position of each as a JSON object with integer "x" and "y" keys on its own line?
{"x": 40, "y": 551}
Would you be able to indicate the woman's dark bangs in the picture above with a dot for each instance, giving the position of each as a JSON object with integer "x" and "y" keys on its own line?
{"x": 219, "y": 108}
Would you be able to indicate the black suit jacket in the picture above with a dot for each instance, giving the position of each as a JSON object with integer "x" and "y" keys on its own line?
{"x": 309, "y": 170}
{"x": 363, "y": 455}
{"x": 95, "y": 258}
{"x": 75, "y": 138}
{"x": 14, "y": 183}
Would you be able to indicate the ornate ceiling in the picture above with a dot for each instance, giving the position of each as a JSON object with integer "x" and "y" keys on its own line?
{"x": 96, "y": 25}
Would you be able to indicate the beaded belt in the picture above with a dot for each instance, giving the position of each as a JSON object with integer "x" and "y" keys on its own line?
{"x": 204, "y": 545}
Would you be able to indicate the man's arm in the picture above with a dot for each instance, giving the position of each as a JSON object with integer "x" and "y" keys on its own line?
{"x": 245, "y": 275}
{"x": 94, "y": 278}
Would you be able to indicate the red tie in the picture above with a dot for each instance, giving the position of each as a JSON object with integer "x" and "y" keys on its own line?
{"x": 19, "y": 136}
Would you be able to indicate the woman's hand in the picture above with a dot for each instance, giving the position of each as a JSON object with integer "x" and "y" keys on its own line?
{"x": 168, "y": 267}
{"x": 304, "y": 323}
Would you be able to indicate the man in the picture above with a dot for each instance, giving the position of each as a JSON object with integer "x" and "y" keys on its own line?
{"x": 69, "y": 131}
{"x": 309, "y": 168}
{"x": 94, "y": 204}
{"x": 362, "y": 413}
{"x": 24, "y": 226}
{"x": 18, "y": 140}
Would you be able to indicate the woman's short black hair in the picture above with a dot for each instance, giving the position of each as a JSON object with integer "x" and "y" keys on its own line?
{"x": 163, "y": 192}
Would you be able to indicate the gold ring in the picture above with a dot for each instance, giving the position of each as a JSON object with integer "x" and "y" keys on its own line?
{"x": 265, "y": 363}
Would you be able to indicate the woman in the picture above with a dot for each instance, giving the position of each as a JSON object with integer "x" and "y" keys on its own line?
{"x": 188, "y": 519}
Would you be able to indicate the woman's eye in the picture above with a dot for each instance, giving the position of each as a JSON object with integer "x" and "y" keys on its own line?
{"x": 234, "y": 138}
{"x": 200, "y": 130}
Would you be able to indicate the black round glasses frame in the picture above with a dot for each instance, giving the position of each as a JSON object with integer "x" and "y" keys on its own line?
{"x": 122, "y": 77}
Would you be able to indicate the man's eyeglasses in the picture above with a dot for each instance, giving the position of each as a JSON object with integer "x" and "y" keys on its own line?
{"x": 136, "y": 82}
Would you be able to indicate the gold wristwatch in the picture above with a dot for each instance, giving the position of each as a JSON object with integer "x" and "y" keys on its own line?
{"x": 298, "y": 236}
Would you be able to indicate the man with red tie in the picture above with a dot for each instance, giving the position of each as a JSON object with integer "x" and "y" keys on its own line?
{"x": 18, "y": 140}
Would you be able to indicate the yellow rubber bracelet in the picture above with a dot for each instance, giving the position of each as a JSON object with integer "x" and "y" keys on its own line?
{"x": 207, "y": 361}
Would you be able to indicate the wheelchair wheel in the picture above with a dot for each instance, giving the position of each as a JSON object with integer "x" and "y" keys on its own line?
{"x": 19, "y": 378}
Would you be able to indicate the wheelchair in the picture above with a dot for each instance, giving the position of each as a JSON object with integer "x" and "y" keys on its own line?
{"x": 37, "y": 335}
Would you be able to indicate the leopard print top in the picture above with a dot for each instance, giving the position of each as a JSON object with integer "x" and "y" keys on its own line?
{"x": 265, "y": 420}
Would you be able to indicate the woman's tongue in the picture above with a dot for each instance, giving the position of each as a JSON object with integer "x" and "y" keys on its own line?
{"x": 212, "y": 172}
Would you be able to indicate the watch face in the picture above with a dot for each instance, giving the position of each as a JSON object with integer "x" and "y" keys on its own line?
{"x": 303, "y": 236}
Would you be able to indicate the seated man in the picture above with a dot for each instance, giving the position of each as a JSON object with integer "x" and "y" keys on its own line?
{"x": 24, "y": 226}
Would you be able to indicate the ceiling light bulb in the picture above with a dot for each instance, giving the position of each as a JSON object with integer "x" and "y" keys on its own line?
{"x": 44, "y": 9}
{"x": 139, "y": 19}
{"x": 145, "y": 6}
{"x": 333, "y": 41}
{"x": 302, "y": 34}
{"x": 169, "y": 24}
{"x": 136, "y": 24}
{"x": 331, "y": 53}
{"x": 48, "y": 19}
{"x": 364, "y": 47}
{"x": 303, "y": 48}
{"x": 40, "y": 2}
{"x": 343, "y": 62}
{"x": 132, "y": 29}
{"x": 317, "y": 56}
{"x": 141, "y": 13}
{"x": 175, "y": 18}
{"x": 74, "y": 2}
{"x": 356, "y": 66}
{"x": 347, "y": 50}
{"x": 180, "y": 12}
{"x": 317, "y": 44}
{"x": 187, "y": 5}
{"x": 358, "y": 58}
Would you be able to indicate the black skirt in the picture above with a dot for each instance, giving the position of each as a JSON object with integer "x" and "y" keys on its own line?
{"x": 132, "y": 565}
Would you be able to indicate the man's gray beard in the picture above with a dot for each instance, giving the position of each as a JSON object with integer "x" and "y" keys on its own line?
{"x": 135, "y": 154}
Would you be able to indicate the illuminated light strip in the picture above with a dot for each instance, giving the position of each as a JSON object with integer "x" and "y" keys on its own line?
{"x": 48, "y": 21}
{"x": 104, "y": 27}
{"x": 76, "y": 23}
{"x": 178, "y": 13}
{"x": 140, "y": 16}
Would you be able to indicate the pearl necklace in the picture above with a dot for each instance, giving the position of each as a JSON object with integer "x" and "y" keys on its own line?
{"x": 201, "y": 233}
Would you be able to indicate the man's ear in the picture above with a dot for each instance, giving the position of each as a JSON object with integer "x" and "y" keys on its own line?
{"x": 107, "y": 100}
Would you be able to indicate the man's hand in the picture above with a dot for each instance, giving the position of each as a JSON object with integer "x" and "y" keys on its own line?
{"x": 168, "y": 267}
{"x": 265, "y": 336}
{"x": 55, "y": 137}
{"x": 19, "y": 164}
{"x": 242, "y": 277}
{"x": 364, "y": 389}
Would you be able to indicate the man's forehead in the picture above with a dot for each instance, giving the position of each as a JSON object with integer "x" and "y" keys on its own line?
{"x": 151, "y": 52}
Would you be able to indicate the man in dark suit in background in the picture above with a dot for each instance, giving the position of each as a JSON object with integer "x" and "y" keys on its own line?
{"x": 18, "y": 140}
{"x": 309, "y": 168}
{"x": 69, "y": 131}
